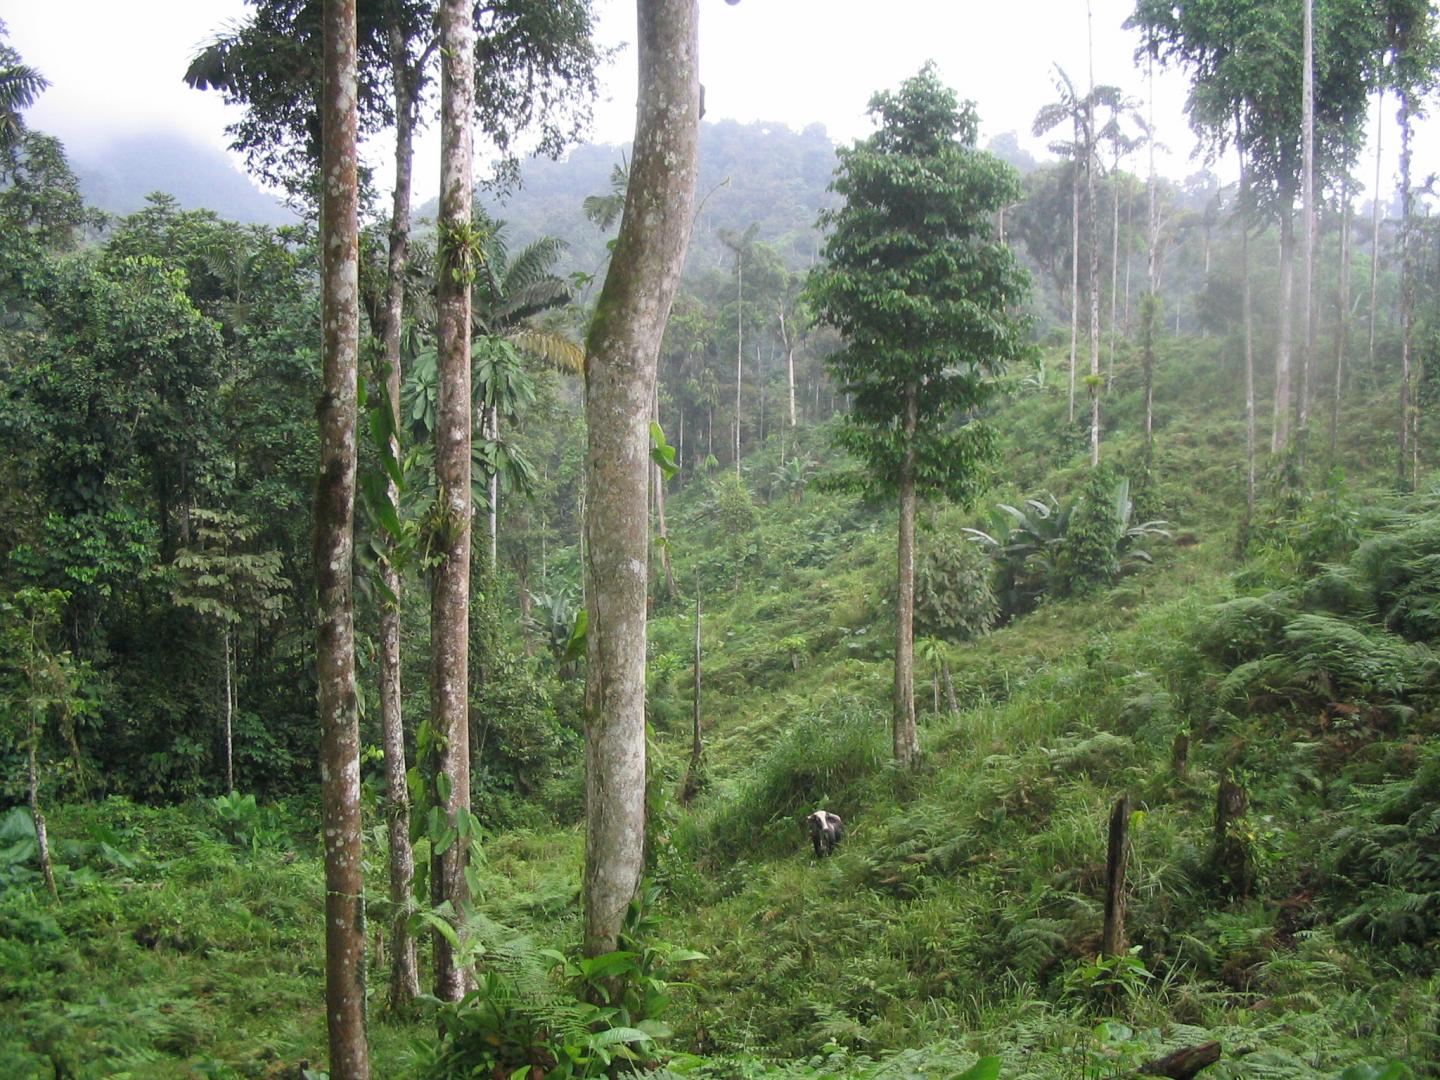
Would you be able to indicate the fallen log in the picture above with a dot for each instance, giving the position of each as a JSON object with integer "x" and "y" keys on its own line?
{"x": 1183, "y": 1064}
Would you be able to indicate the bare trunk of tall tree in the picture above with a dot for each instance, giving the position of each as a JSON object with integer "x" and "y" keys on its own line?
{"x": 790, "y": 362}
{"x": 1342, "y": 315}
{"x": 664, "y": 535}
{"x": 1247, "y": 315}
{"x": 334, "y": 553}
{"x": 1074, "y": 267}
{"x": 1407, "y": 288}
{"x": 227, "y": 643}
{"x": 404, "y": 969}
{"x": 906, "y": 735}
{"x": 1114, "y": 269}
{"x": 739, "y": 347}
{"x": 492, "y": 489}
{"x": 450, "y": 595}
{"x": 1129, "y": 232}
{"x": 691, "y": 785}
{"x": 1150, "y": 302}
{"x": 37, "y": 817}
{"x": 1375, "y": 218}
{"x": 1307, "y": 180}
{"x": 1092, "y": 208}
{"x": 624, "y": 344}
{"x": 1280, "y": 431}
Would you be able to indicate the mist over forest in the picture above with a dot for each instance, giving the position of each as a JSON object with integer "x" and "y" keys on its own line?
{"x": 736, "y": 604}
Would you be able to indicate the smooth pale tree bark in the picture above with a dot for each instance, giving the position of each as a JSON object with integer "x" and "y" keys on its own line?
{"x": 1307, "y": 186}
{"x": 1074, "y": 267}
{"x": 1342, "y": 314}
{"x": 450, "y": 596}
{"x": 661, "y": 531}
{"x": 229, "y": 649}
{"x": 623, "y": 351}
{"x": 739, "y": 344}
{"x": 404, "y": 971}
{"x": 697, "y": 744}
{"x": 1114, "y": 268}
{"x": 1094, "y": 279}
{"x": 787, "y": 339}
{"x": 37, "y": 816}
{"x": 1247, "y": 315}
{"x": 1375, "y": 224}
{"x": 334, "y": 552}
{"x": 1284, "y": 337}
{"x": 1150, "y": 302}
{"x": 1405, "y": 467}
{"x": 1093, "y": 209}
{"x": 904, "y": 730}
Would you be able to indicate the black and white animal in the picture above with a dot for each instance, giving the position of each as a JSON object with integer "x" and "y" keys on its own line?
{"x": 826, "y": 831}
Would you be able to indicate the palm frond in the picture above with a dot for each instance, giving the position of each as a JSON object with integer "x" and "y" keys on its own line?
{"x": 556, "y": 350}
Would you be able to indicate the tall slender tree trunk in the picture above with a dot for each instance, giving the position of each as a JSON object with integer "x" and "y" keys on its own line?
{"x": 1150, "y": 302}
{"x": 1247, "y": 315}
{"x": 906, "y": 734}
{"x": 1375, "y": 218}
{"x": 664, "y": 545}
{"x": 1129, "y": 242}
{"x": 789, "y": 363}
{"x": 1092, "y": 209}
{"x": 1284, "y": 336}
{"x": 404, "y": 969}
{"x": 450, "y": 596}
{"x": 334, "y": 553}
{"x": 37, "y": 817}
{"x": 227, "y": 643}
{"x": 623, "y": 348}
{"x": 1307, "y": 180}
{"x": 1407, "y": 288}
{"x": 1074, "y": 266}
{"x": 1342, "y": 315}
{"x": 1114, "y": 268}
{"x": 739, "y": 347}
{"x": 492, "y": 488}
{"x": 697, "y": 744}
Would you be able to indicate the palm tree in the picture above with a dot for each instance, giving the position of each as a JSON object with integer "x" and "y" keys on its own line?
{"x": 508, "y": 294}
{"x": 1079, "y": 109}
{"x": 20, "y": 85}
{"x": 605, "y": 210}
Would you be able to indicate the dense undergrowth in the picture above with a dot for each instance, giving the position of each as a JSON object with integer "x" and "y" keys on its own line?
{"x": 961, "y": 917}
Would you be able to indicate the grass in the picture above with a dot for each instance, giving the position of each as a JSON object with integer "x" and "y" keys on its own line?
{"x": 961, "y": 916}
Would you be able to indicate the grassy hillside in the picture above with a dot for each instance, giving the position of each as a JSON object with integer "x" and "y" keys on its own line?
{"x": 961, "y": 917}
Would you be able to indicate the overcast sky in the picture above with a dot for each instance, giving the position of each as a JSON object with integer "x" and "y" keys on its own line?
{"x": 115, "y": 66}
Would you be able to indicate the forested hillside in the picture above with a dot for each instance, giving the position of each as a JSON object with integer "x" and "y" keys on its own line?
{"x": 1060, "y": 531}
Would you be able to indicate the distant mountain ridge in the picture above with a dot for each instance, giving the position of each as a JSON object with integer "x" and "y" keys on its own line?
{"x": 764, "y": 174}
{"x": 118, "y": 178}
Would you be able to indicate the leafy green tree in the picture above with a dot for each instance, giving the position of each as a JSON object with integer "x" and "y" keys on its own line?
{"x": 925, "y": 299}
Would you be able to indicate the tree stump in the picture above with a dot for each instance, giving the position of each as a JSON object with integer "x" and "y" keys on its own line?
{"x": 1118, "y": 854}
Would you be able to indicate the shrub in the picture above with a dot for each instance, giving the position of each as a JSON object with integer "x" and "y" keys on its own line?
{"x": 1089, "y": 555}
{"x": 954, "y": 598}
